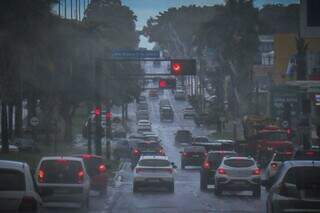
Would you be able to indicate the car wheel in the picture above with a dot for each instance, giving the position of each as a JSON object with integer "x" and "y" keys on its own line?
{"x": 257, "y": 192}
{"x": 217, "y": 190}
{"x": 135, "y": 188}
{"x": 171, "y": 187}
{"x": 203, "y": 182}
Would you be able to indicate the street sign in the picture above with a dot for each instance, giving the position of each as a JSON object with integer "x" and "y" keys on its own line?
{"x": 134, "y": 54}
{"x": 34, "y": 121}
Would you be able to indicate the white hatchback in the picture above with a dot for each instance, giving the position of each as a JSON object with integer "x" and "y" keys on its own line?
{"x": 63, "y": 180}
{"x": 17, "y": 190}
{"x": 154, "y": 171}
{"x": 238, "y": 173}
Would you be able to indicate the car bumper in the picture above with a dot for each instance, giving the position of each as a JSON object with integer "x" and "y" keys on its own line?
{"x": 193, "y": 162}
{"x": 237, "y": 184}
{"x": 153, "y": 181}
{"x": 63, "y": 194}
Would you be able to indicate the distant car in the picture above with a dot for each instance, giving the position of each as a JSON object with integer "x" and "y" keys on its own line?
{"x": 306, "y": 155}
{"x": 145, "y": 148}
{"x": 154, "y": 171}
{"x": 26, "y": 144}
{"x": 153, "y": 93}
{"x": 276, "y": 162}
{"x": 151, "y": 136}
{"x": 200, "y": 139}
{"x": 97, "y": 171}
{"x": 166, "y": 114}
{"x": 12, "y": 148}
{"x": 183, "y": 137}
{"x": 63, "y": 179}
{"x": 143, "y": 123}
{"x": 227, "y": 145}
{"x": 142, "y": 115}
{"x": 144, "y": 126}
{"x": 180, "y": 95}
{"x": 121, "y": 148}
{"x": 119, "y": 133}
{"x": 192, "y": 156}
{"x": 188, "y": 112}
{"x": 17, "y": 189}
{"x": 238, "y": 174}
{"x": 295, "y": 188}
{"x": 210, "y": 165}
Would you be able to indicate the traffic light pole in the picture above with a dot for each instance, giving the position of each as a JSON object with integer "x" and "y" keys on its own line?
{"x": 98, "y": 73}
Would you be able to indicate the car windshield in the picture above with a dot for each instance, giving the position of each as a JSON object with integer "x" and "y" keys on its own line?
{"x": 239, "y": 163}
{"x": 61, "y": 171}
{"x": 154, "y": 163}
{"x": 12, "y": 180}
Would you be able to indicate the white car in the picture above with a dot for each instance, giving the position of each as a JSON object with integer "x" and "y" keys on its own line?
{"x": 276, "y": 161}
{"x": 17, "y": 191}
{"x": 144, "y": 123}
{"x": 63, "y": 180}
{"x": 154, "y": 171}
{"x": 238, "y": 174}
{"x": 188, "y": 112}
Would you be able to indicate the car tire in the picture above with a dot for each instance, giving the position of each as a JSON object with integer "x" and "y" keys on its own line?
{"x": 217, "y": 190}
{"x": 257, "y": 192}
{"x": 171, "y": 187}
{"x": 135, "y": 188}
{"x": 203, "y": 182}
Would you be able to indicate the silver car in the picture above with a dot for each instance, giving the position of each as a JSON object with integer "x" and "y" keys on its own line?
{"x": 238, "y": 174}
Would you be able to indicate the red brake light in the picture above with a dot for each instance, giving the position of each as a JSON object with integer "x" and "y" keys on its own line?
{"x": 102, "y": 168}
{"x": 256, "y": 171}
{"x": 80, "y": 176}
{"x": 274, "y": 165}
{"x": 206, "y": 165}
{"x": 136, "y": 152}
{"x": 41, "y": 176}
{"x": 86, "y": 156}
{"x": 310, "y": 153}
{"x": 221, "y": 171}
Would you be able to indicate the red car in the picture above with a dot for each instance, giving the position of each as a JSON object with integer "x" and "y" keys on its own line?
{"x": 97, "y": 171}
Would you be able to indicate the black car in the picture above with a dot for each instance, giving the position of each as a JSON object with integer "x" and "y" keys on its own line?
{"x": 210, "y": 165}
{"x": 183, "y": 136}
{"x": 140, "y": 148}
{"x": 192, "y": 156}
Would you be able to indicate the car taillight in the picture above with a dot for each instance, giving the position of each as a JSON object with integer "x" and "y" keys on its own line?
{"x": 80, "y": 176}
{"x": 256, "y": 171}
{"x": 41, "y": 176}
{"x": 139, "y": 170}
{"x": 28, "y": 204}
{"x": 206, "y": 165}
{"x": 102, "y": 168}
{"x": 135, "y": 152}
{"x": 274, "y": 165}
{"x": 221, "y": 171}
{"x": 86, "y": 156}
{"x": 310, "y": 153}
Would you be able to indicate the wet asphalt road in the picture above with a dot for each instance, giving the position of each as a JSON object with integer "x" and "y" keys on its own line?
{"x": 187, "y": 197}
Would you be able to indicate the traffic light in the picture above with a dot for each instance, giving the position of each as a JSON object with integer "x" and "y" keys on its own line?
{"x": 167, "y": 83}
{"x": 97, "y": 111}
{"x": 183, "y": 67}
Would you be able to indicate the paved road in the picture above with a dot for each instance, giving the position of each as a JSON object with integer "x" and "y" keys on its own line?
{"x": 187, "y": 197}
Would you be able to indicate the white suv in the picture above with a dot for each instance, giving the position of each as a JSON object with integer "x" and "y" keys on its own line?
{"x": 17, "y": 190}
{"x": 238, "y": 173}
{"x": 154, "y": 171}
{"x": 63, "y": 180}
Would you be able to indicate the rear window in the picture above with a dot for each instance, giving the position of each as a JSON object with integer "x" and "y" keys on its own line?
{"x": 216, "y": 158}
{"x": 92, "y": 165}
{"x": 61, "y": 171}
{"x": 154, "y": 163}
{"x": 282, "y": 157}
{"x": 12, "y": 180}
{"x": 239, "y": 163}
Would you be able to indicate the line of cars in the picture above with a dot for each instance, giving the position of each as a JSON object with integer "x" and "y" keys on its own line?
{"x": 57, "y": 180}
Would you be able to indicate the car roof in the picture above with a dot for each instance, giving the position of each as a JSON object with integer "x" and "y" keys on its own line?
{"x": 298, "y": 163}
{"x": 153, "y": 157}
{"x": 7, "y": 164}
{"x": 61, "y": 157}
{"x": 239, "y": 158}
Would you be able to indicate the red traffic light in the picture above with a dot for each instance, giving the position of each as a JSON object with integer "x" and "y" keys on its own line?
{"x": 167, "y": 83}
{"x": 163, "y": 83}
{"x": 108, "y": 116}
{"x": 176, "y": 68}
{"x": 97, "y": 111}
